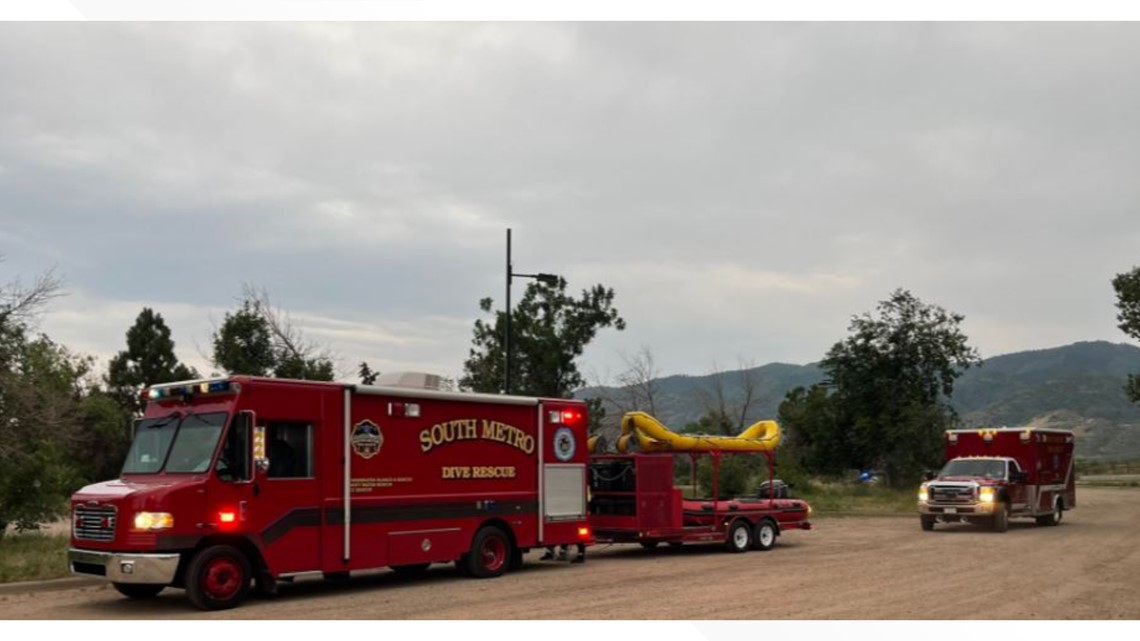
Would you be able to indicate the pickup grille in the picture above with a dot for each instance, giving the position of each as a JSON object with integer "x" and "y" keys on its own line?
{"x": 94, "y": 523}
{"x": 955, "y": 494}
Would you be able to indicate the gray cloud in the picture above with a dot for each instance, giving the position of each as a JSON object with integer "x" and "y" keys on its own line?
{"x": 745, "y": 188}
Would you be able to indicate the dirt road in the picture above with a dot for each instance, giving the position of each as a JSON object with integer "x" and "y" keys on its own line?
{"x": 848, "y": 568}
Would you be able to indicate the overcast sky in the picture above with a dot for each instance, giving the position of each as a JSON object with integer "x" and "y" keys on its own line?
{"x": 745, "y": 188}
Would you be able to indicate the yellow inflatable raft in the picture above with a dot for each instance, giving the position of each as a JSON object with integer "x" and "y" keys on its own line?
{"x": 652, "y": 436}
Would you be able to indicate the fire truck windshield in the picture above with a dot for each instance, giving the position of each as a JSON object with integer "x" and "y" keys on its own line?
{"x": 185, "y": 444}
{"x": 987, "y": 468}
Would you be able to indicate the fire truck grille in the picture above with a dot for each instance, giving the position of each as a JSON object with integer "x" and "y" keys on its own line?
{"x": 94, "y": 523}
{"x": 951, "y": 494}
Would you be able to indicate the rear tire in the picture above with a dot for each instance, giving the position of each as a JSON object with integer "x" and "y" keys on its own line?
{"x": 764, "y": 536}
{"x": 490, "y": 554}
{"x": 1001, "y": 517}
{"x": 139, "y": 590}
{"x": 927, "y": 523}
{"x": 739, "y": 537}
{"x": 1055, "y": 517}
{"x": 218, "y": 578}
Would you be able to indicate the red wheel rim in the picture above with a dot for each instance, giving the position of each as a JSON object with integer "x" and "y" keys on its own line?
{"x": 223, "y": 579}
{"x": 494, "y": 552}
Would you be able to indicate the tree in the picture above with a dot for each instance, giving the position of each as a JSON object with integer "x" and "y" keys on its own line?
{"x": 1127, "y": 286}
{"x": 244, "y": 344}
{"x": 367, "y": 376}
{"x": 885, "y": 401}
{"x": 730, "y": 413}
{"x": 261, "y": 340}
{"x": 40, "y": 415}
{"x": 148, "y": 360}
{"x": 549, "y": 331}
{"x": 813, "y": 436}
{"x": 639, "y": 381}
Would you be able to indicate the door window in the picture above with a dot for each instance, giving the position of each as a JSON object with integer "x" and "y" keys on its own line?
{"x": 290, "y": 450}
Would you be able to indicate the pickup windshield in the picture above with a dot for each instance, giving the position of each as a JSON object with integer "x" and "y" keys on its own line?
{"x": 176, "y": 443}
{"x": 989, "y": 469}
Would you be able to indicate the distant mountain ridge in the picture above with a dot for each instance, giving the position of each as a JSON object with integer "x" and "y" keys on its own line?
{"x": 1077, "y": 386}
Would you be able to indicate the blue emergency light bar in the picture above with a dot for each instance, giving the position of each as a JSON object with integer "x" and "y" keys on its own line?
{"x": 184, "y": 390}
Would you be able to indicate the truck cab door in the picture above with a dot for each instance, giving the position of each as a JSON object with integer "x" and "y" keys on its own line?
{"x": 284, "y": 513}
{"x": 1021, "y": 494}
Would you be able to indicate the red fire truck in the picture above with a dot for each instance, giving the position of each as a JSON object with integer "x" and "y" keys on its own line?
{"x": 242, "y": 479}
{"x": 992, "y": 475}
{"x": 634, "y": 499}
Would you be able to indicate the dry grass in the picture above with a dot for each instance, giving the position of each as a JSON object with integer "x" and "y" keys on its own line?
{"x": 33, "y": 556}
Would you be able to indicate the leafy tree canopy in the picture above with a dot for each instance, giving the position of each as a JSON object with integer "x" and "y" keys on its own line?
{"x": 884, "y": 403}
{"x": 149, "y": 359}
{"x": 1127, "y": 286}
{"x": 549, "y": 331}
{"x": 261, "y": 340}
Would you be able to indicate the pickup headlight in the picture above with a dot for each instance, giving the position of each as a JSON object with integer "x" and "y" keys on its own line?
{"x": 150, "y": 521}
{"x": 986, "y": 494}
{"x": 923, "y": 494}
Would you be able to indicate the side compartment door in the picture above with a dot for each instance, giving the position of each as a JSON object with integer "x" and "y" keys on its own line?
{"x": 562, "y": 459}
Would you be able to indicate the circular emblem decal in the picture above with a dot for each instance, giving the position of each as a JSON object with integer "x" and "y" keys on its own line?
{"x": 564, "y": 444}
{"x": 367, "y": 439}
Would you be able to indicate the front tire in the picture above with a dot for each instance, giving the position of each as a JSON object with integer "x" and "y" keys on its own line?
{"x": 218, "y": 578}
{"x": 927, "y": 523}
{"x": 764, "y": 538}
{"x": 490, "y": 554}
{"x": 739, "y": 537}
{"x": 139, "y": 590}
{"x": 1001, "y": 517}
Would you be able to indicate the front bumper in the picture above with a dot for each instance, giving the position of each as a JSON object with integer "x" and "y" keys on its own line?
{"x": 956, "y": 509}
{"x": 124, "y": 568}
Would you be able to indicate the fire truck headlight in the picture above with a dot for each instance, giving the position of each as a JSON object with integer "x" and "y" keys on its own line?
{"x": 923, "y": 494}
{"x": 986, "y": 495}
{"x": 150, "y": 521}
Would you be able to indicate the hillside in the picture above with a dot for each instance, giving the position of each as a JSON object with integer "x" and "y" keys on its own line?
{"x": 1078, "y": 386}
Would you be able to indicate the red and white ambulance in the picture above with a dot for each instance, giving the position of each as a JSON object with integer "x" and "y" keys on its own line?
{"x": 242, "y": 479}
{"x": 992, "y": 475}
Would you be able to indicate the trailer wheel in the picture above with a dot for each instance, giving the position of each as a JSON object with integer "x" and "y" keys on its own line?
{"x": 1001, "y": 517}
{"x": 764, "y": 538}
{"x": 139, "y": 590}
{"x": 927, "y": 523}
{"x": 1054, "y": 518}
{"x": 218, "y": 578}
{"x": 739, "y": 536}
{"x": 490, "y": 553}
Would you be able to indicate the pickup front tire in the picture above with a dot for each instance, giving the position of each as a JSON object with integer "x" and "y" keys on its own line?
{"x": 1001, "y": 517}
{"x": 927, "y": 523}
